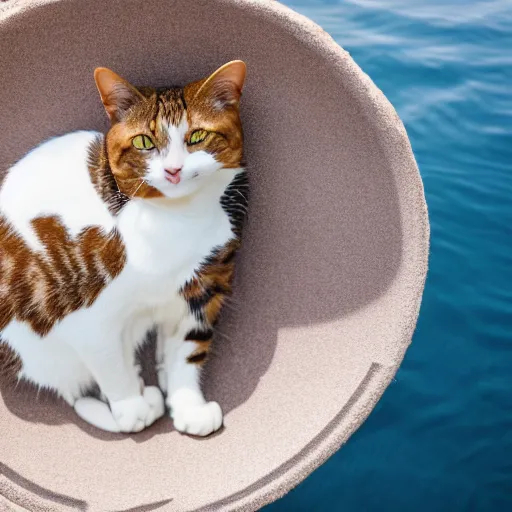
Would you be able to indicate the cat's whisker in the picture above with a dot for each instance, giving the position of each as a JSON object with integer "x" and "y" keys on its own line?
{"x": 224, "y": 336}
{"x": 140, "y": 185}
{"x": 231, "y": 299}
{"x": 245, "y": 198}
{"x": 230, "y": 307}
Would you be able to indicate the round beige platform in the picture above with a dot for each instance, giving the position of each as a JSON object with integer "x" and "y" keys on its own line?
{"x": 330, "y": 276}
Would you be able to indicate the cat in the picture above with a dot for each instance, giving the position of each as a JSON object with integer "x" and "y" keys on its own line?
{"x": 104, "y": 237}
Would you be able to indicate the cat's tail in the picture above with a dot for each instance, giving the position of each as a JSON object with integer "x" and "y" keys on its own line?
{"x": 97, "y": 413}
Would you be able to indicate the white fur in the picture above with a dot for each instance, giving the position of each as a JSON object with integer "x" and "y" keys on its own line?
{"x": 53, "y": 178}
{"x": 98, "y": 413}
{"x": 196, "y": 168}
{"x": 166, "y": 240}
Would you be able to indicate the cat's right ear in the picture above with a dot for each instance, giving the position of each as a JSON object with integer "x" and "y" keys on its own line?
{"x": 117, "y": 95}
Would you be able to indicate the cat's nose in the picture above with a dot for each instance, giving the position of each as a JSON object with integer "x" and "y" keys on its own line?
{"x": 173, "y": 170}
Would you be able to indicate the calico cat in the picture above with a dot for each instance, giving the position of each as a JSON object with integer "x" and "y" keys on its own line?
{"x": 103, "y": 238}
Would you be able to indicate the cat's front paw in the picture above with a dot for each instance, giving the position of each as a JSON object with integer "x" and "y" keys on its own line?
{"x": 138, "y": 412}
{"x": 197, "y": 420}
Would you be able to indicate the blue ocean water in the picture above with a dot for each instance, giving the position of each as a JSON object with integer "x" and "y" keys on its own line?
{"x": 441, "y": 437}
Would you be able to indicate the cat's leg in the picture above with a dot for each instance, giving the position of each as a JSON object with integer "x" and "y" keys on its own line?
{"x": 133, "y": 408}
{"x": 182, "y": 350}
{"x": 135, "y": 333}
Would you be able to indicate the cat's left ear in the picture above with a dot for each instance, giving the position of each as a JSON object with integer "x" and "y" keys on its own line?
{"x": 117, "y": 95}
{"x": 223, "y": 88}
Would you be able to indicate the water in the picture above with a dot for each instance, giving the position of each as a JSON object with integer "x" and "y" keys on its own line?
{"x": 441, "y": 437}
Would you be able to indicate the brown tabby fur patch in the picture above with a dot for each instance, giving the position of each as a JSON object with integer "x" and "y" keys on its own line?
{"x": 151, "y": 111}
{"x": 207, "y": 292}
{"x": 42, "y": 287}
{"x": 226, "y": 138}
{"x": 102, "y": 178}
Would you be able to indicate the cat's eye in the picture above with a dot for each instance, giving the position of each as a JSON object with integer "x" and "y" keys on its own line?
{"x": 197, "y": 136}
{"x": 142, "y": 142}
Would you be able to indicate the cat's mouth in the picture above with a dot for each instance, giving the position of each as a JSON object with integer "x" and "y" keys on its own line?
{"x": 173, "y": 177}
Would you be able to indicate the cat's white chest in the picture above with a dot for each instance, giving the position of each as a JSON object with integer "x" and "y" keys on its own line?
{"x": 165, "y": 246}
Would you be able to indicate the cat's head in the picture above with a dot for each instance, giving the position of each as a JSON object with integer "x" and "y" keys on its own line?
{"x": 170, "y": 142}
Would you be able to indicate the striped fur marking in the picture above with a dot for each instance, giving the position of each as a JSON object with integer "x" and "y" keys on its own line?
{"x": 206, "y": 293}
{"x": 10, "y": 364}
{"x": 198, "y": 357}
{"x": 199, "y": 335}
{"x": 41, "y": 288}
